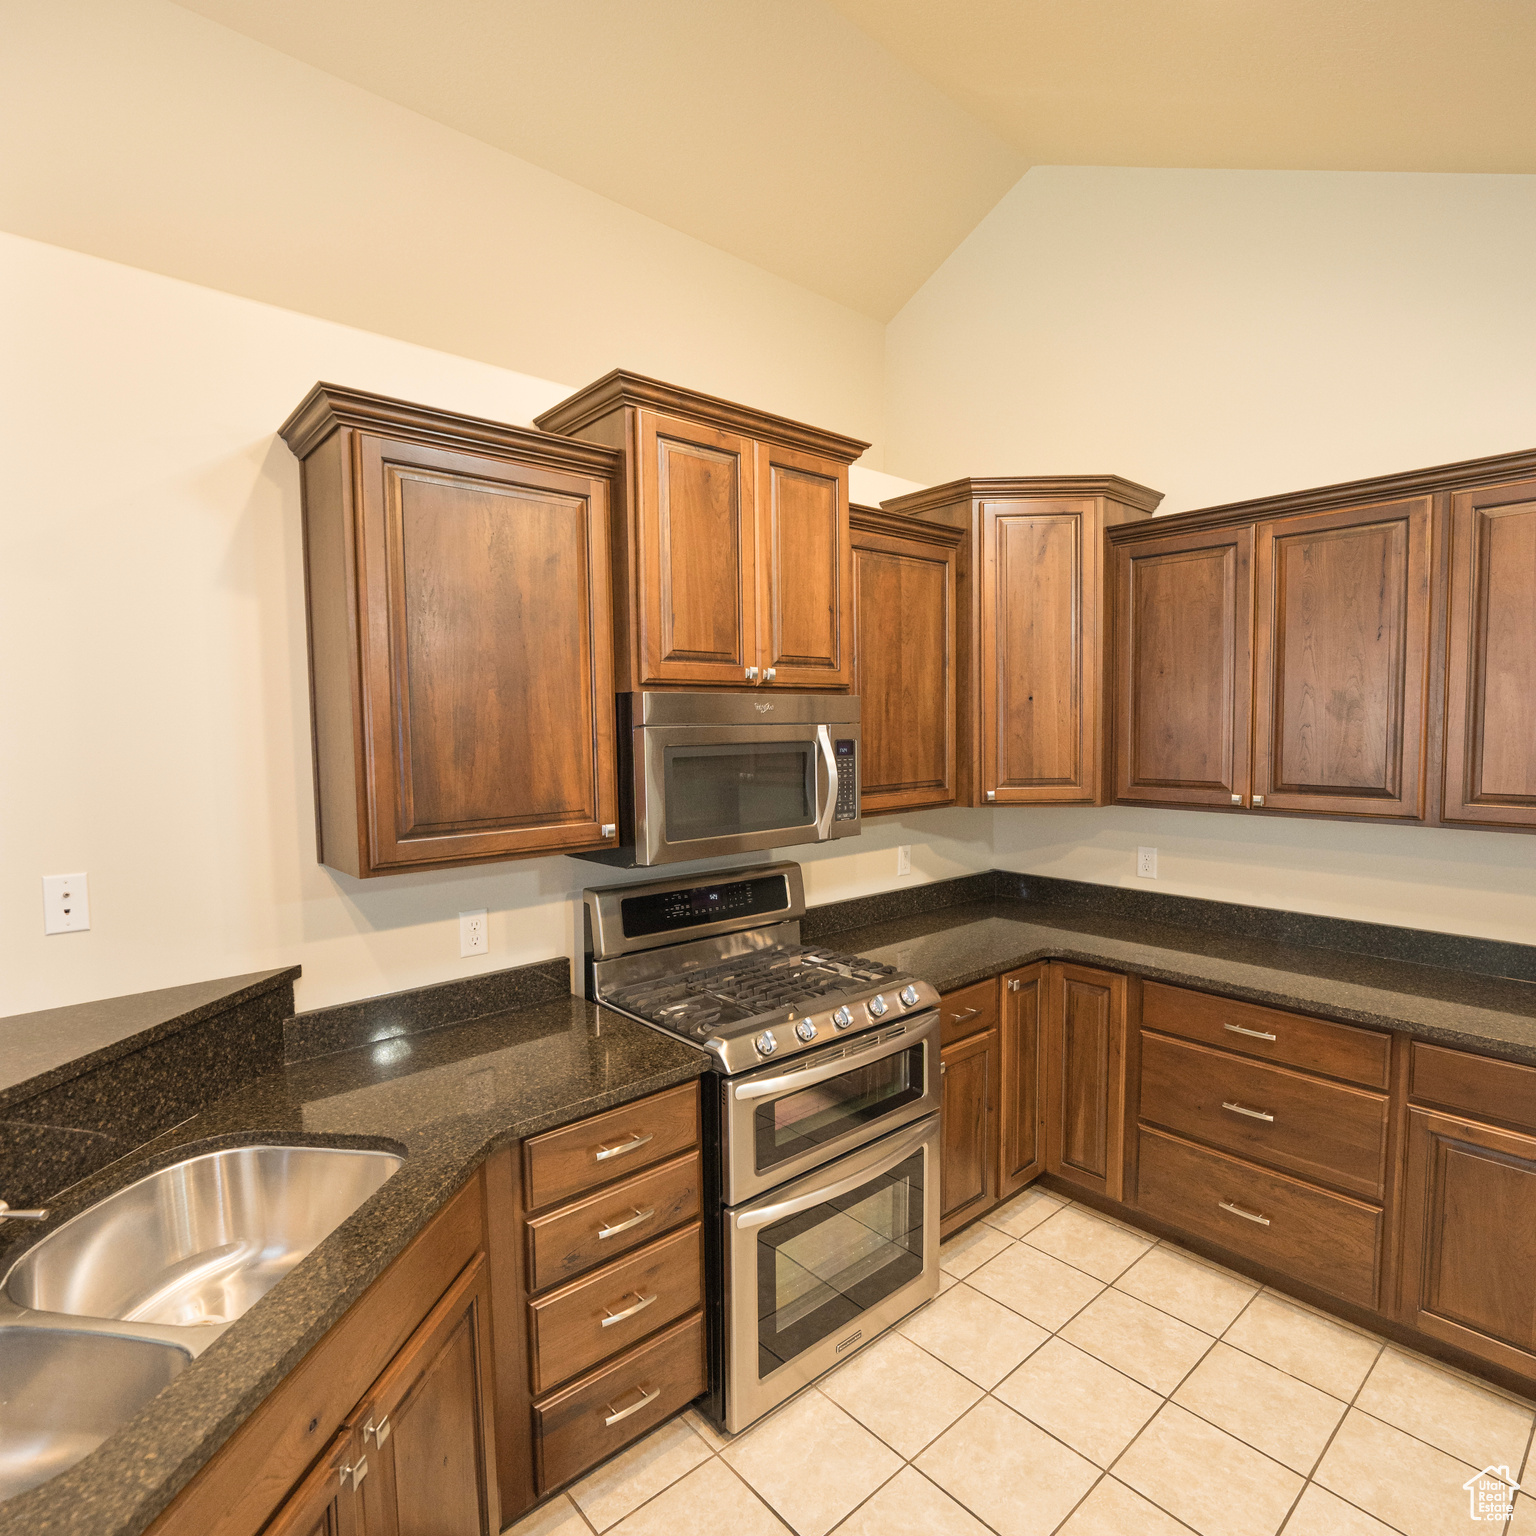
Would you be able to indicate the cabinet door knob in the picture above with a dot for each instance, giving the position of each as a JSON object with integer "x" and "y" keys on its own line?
{"x": 1015, "y": 984}
{"x": 1237, "y": 799}
{"x": 751, "y": 674}
{"x": 1258, "y": 799}
{"x": 991, "y": 794}
{"x": 770, "y": 674}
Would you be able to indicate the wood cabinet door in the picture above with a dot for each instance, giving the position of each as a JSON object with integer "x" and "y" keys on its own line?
{"x": 1469, "y": 1238}
{"x": 968, "y": 1182}
{"x": 904, "y": 667}
{"x": 1085, "y": 1078}
{"x": 1036, "y": 715}
{"x": 426, "y": 1425}
{"x": 804, "y": 571}
{"x": 1183, "y": 682}
{"x": 1341, "y": 655}
{"x": 487, "y": 657}
{"x": 1024, "y": 1004}
{"x": 1490, "y": 693}
{"x": 697, "y": 562}
{"x": 324, "y": 1503}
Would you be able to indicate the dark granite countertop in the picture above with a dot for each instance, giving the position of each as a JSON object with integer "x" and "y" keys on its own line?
{"x": 40, "y": 1050}
{"x": 956, "y": 945}
{"x": 447, "y": 1099}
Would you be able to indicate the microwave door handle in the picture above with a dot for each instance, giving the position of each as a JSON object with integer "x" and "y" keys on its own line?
{"x": 898, "y": 1150}
{"x": 827, "y": 791}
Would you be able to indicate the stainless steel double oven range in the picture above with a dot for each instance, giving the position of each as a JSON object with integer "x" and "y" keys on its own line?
{"x": 821, "y": 1118}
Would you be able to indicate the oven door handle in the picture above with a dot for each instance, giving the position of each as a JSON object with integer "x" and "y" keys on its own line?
{"x": 828, "y": 764}
{"x": 899, "y": 1150}
{"x": 808, "y": 1076}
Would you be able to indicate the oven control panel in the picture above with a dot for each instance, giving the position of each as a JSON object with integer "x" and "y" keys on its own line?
{"x": 845, "y": 751}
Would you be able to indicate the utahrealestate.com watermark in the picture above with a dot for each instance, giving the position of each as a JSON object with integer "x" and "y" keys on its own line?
{"x": 1492, "y": 1494}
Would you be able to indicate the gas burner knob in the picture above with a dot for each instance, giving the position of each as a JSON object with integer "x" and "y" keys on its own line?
{"x": 842, "y": 1018}
{"x": 806, "y": 1030}
{"x": 909, "y": 996}
{"x": 765, "y": 1043}
{"x": 877, "y": 1006}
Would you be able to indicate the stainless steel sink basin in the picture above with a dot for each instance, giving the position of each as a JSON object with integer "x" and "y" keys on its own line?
{"x": 62, "y": 1393}
{"x": 199, "y": 1242}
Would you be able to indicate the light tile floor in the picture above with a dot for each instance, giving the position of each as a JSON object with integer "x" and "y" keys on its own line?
{"x": 1076, "y": 1377}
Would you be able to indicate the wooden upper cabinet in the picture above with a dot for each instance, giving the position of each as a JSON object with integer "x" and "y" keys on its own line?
{"x": 1341, "y": 658}
{"x": 1032, "y": 578}
{"x": 460, "y": 635}
{"x": 1182, "y": 687}
{"x": 805, "y": 569}
{"x": 732, "y": 565}
{"x": 905, "y": 661}
{"x": 698, "y": 614}
{"x": 1490, "y": 694}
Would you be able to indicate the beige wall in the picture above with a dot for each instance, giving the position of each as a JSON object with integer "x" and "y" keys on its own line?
{"x": 153, "y": 706}
{"x": 138, "y": 131}
{"x": 1221, "y": 335}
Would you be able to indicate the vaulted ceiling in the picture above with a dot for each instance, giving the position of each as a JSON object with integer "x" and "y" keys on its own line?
{"x": 850, "y": 145}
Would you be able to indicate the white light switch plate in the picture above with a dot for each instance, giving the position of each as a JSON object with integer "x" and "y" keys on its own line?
{"x": 66, "y": 903}
{"x": 473, "y": 938}
{"x": 904, "y": 859}
{"x": 1146, "y": 863}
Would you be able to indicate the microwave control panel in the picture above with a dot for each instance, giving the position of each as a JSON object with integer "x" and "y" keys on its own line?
{"x": 847, "y": 781}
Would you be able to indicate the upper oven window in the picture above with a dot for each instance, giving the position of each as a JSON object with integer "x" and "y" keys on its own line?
{"x": 726, "y": 789}
{"x": 806, "y": 1118}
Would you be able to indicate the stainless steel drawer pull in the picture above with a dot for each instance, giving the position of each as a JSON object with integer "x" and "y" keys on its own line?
{"x": 1253, "y": 1114}
{"x": 641, "y": 1303}
{"x": 624, "y": 1226}
{"x": 379, "y": 1431}
{"x": 625, "y": 1146}
{"x": 359, "y": 1471}
{"x": 969, "y": 1013}
{"x": 1237, "y": 1210}
{"x": 1253, "y": 1034}
{"x": 624, "y": 1413}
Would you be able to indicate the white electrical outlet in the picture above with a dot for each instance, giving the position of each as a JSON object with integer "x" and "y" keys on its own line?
{"x": 1146, "y": 863}
{"x": 904, "y": 859}
{"x": 473, "y": 938}
{"x": 66, "y": 904}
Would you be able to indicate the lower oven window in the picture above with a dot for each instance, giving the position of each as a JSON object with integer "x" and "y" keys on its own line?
{"x": 801, "y": 1121}
{"x": 818, "y": 1270}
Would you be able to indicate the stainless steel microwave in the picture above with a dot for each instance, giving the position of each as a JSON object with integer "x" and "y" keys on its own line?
{"x": 706, "y": 774}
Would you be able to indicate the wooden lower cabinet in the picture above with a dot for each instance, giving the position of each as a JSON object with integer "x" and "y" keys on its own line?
{"x": 426, "y": 1438}
{"x": 968, "y": 1185}
{"x": 1023, "y": 1003}
{"x": 1085, "y": 1078}
{"x": 1468, "y": 1275}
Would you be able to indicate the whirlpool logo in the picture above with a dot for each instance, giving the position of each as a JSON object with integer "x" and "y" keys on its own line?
{"x": 762, "y": 709}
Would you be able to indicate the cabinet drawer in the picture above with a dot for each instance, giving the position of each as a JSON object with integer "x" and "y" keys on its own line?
{"x": 572, "y": 1430}
{"x": 576, "y": 1158}
{"x": 1327, "y": 1240}
{"x": 968, "y": 1011}
{"x": 1292, "y": 1039}
{"x": 1479, "y": 1085}
{"x": 1317, "y": 1129}
{"x": 594, "y": 1317}
{"x": 574, "y": 1238}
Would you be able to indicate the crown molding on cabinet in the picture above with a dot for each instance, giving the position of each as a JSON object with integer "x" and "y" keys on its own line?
{"x": 999, "y": 487}
{"x": 621, "y": 388}
{"x": 330, "y": 406}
